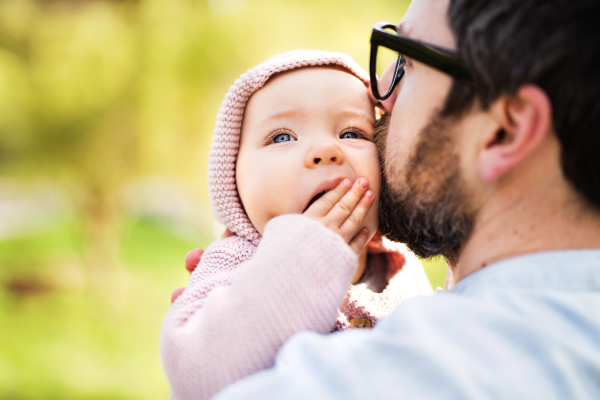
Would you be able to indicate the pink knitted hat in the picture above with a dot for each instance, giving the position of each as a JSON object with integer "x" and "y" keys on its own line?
{"x": 226, "y": 140}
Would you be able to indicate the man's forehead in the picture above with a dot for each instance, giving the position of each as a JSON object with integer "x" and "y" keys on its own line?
{"x": 427, "y": 20}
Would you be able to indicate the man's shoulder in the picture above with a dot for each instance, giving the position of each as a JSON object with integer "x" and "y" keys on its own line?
{"x": 512, "y": 334}
{"x": 502, "y": 311}
{"x": 453, "y": 346}
{"x": 541, "y": 338}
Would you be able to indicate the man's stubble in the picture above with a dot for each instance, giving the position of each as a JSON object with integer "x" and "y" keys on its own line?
{"x": 425, "y": 203}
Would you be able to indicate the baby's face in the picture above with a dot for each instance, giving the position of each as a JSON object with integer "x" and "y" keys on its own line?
{"x": 302, "y": 133}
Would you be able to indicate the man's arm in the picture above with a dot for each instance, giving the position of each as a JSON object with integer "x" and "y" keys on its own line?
{"x": 404, "y": 357}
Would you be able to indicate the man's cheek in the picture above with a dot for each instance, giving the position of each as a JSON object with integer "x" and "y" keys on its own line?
{"x": 405, "y": 127}
{"x": 395, "y": 138}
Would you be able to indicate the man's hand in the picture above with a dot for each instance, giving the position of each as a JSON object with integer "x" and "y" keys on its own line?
{"x": 343, "y": 210}
{"x": 192, "y": 258}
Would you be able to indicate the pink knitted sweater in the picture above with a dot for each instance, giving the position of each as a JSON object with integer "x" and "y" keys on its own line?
{"x": 244, "y": 301}
{"x": 249, "y": 294}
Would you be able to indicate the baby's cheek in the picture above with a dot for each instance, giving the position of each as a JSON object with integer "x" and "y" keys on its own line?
{"x": 373, "y": 168}
{"x": 374, "y": 176}
{"x": 272, "y": 195}
{"x": 372, "y": 218}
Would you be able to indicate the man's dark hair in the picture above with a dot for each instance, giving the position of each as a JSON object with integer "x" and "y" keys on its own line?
{"x": 554, "y": 44}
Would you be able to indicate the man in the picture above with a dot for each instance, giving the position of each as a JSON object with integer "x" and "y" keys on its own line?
{"x": 490, "y": 161}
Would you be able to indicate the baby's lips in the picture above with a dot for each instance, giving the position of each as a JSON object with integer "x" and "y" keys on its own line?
{"x": 326, "y": 187}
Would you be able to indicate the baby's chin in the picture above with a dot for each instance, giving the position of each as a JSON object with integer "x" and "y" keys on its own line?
{"x": 260, "y": 225}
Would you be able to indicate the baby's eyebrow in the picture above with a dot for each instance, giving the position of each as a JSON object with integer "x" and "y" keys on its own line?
{"x": 356, "y": 114}
{"x": 292, "y": 112}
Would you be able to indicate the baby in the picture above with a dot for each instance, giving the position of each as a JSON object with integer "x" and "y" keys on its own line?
{"x": 306, "y": 146}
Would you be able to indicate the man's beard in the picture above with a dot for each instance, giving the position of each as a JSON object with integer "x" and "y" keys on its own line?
{"x": 426, "y": 205}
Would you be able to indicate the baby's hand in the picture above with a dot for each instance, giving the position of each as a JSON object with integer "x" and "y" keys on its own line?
{"x": 343, "y": 210}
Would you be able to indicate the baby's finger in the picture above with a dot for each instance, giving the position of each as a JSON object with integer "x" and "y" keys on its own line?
{"x": 322, "y": 206}
{"x": 343, "y": 208}
{"x": 352, "y": 224}
{"x": 358, "y": 242}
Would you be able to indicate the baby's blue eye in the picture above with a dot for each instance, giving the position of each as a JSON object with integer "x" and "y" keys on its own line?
{"x": 349, "y": 135}
{"x": 283, "y": 137}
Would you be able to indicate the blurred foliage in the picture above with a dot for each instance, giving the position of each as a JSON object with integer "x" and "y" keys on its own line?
{"x": 106, "y": 116}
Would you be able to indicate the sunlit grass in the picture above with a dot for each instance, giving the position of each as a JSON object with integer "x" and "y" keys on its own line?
{"x": 65, "y": 341}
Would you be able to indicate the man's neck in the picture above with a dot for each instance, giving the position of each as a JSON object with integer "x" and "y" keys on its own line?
{"x": 527, "y": 216}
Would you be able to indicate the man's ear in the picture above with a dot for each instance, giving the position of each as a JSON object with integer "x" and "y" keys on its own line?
{"x": 523, "y": 121}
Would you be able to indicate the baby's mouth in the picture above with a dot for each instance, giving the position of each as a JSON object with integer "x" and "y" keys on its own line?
{"x": 317, "y": 197}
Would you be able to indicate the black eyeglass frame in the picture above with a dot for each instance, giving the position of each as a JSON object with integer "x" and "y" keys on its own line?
{"x": 445, "y": 60}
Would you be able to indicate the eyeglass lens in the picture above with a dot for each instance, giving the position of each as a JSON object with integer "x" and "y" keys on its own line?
{"x": 390, "y": 69}
{"x": 385, "y": 59}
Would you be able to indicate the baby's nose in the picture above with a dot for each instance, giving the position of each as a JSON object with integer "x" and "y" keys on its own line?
{"x": 324, "y": 154}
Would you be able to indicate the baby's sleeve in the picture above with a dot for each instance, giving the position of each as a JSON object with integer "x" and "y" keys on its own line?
{"x": 240, "y": 307}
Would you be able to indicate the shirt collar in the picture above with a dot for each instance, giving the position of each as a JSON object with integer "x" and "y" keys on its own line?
{"x": 570, "y": 270}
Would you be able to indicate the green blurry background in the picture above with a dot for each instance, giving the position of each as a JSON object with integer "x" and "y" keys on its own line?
{"x": 106, "y": 115}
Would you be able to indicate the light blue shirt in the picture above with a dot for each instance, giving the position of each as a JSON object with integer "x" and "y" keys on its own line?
{"x": 523, "y": 328}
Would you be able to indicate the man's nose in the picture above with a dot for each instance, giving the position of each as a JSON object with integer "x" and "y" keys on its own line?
{"x": 323, "y": 154}
{"x": 384, "y": 83}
